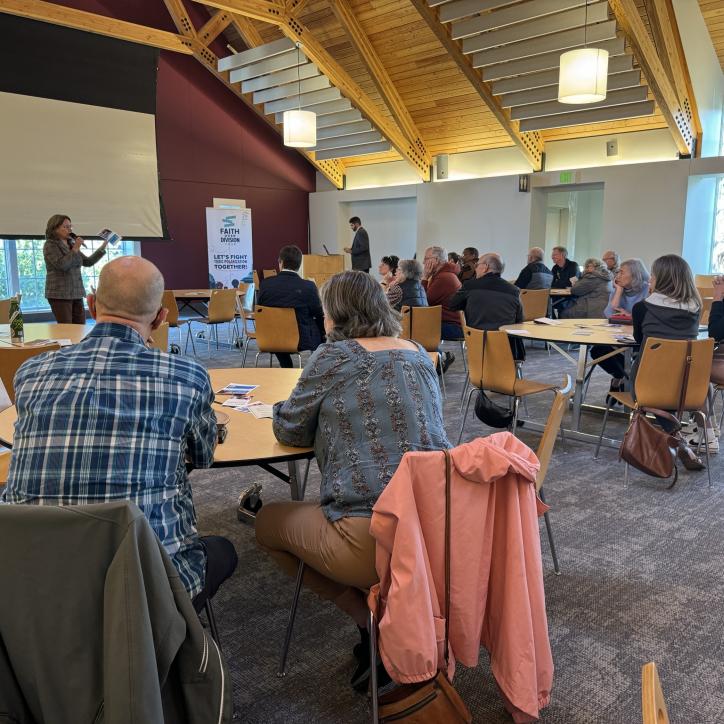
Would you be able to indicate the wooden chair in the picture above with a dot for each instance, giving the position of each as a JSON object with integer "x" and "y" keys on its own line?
{"x": 159, "y": 338}
{"x": 706, "y": 307}
{"x": 222, "y": 310}
{"x": 491, "y": 367}
{"x": 174, "y": 322}
{"x": 5, "y": 311}
{"x": 10, "y": 360}
{"x": 248, "y": 317}
{"x": 269, "y": 273}
{"x": 255, "y": 276}
{"x": 424, "y": 326}
{"x": 653, "y": 706}
{"x": 276, "y": 332}
{"x": 535, "y": 303}
{"x": 704, "y": 281}
{"x": 545, "y": 453}
{"x": 663, "y": 360}
{"x": 4, "y": 466}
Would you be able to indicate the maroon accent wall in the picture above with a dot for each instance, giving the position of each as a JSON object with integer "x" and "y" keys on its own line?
{"x": 211, "y": 145}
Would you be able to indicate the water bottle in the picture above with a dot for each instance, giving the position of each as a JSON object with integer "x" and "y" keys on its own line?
{"x": 16, "y": 320}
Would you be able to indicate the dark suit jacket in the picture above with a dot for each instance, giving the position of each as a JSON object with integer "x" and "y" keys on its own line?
{"x": 361, "y": 258}
{"x": 288, "y": 289}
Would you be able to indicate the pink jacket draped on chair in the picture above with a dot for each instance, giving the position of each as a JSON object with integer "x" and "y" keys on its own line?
{"x": 497, "y": 596}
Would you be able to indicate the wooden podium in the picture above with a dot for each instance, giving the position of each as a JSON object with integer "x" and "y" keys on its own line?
{"x": 319, "y": 267}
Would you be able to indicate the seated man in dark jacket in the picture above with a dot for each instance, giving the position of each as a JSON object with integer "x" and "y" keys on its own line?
{"x": 489, "y": 302}
{"x": 289, "y": 290}
{"x": 564, "y": 269}
{"x": 535, "y": 275}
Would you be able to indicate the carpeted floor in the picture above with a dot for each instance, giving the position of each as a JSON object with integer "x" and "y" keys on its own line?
{"x": 642, "y": 579}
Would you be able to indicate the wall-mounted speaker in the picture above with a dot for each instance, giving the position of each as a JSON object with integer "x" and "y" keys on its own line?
{"x": 441, "y": 167}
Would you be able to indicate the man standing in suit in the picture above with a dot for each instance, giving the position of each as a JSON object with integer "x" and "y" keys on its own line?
{"x": 360, "y": 249}
{"x": 289, "y": 290}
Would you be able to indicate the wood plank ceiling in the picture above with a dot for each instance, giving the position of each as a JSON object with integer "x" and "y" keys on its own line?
{"x": 713, "y": 12}
{"x": 446, "y": 109}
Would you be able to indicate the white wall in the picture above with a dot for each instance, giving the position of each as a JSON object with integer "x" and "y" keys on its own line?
{"x": 644, "y": 211}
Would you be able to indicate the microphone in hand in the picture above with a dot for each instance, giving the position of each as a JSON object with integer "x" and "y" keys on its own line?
{"x": 75, "y": 237}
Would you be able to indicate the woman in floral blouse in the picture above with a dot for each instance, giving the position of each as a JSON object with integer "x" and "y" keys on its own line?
{"x": 364, "y": 399}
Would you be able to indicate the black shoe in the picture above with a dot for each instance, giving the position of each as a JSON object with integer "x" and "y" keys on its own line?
{"x": 447, "y": 360}
{"x": 361, "y": 678}
{"x": 615, "y": 386}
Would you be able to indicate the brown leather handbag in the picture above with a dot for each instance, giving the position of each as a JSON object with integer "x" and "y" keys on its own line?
{"x": 436, "y": 700}
{"x": 648, "y": 447}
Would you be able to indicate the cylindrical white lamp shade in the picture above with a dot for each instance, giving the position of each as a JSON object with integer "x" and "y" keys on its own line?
{"x": 300, "y": 129}
{"x": 583, "y": 76}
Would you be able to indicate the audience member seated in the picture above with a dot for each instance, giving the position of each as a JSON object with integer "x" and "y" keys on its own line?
{"x": 535, "y": 274}
{"x": 630, "y": 286}
{"x": 489, "y": 301}
{"x": 406, "y": 289}
{"x": 440, "y": 283}
{"x": 364, "y": 399}
{"x": 289, "y": 290}
{"x": 454, "y": 258}
{"x": 611, "y": 259}
{"x": 671, "y": 311}
{"x": 590, "y": 294}
{"x": 388, "y": 269}
{"x": 467, "y": 263}
{"x": 110, "y": 419}
{"x": 564, "y": 269}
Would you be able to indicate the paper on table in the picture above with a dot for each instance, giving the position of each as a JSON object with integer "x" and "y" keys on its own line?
{"x": 546, "y": 320}
{"x": 625, "y": 338}
{"x": 260, "y": 409}
{"x": 236, "y": 388}
{"x": 519, "y": 332}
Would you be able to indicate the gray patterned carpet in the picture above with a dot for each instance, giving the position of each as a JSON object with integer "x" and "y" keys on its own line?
{"x": 642, "y": 580}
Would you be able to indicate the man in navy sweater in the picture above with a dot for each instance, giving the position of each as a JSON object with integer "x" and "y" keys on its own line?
{"x": 289, "y": 290}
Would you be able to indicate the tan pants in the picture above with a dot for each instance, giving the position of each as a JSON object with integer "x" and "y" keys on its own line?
{"x": 340, "y": 556}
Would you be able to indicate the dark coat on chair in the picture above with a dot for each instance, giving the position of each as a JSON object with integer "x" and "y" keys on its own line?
{"x": 289, "y": 290}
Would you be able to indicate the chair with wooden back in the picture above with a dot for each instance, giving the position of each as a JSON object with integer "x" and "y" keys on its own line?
{"x": 705, "y": 281}
{"x": 535, "y": 303}
{"x": 665, "y": 359}
{"x": 159, "y": 337}
{"x": 269, "y": 273}
{"x": 545, "y": 453}
{"x": 653, "y": 705}
{"x": 424, "y": 326}
{"x": 491, "y": 367}
{"x": 222, "y": 310}
{"x": 4, "y": 466}
{"x": 12, "y": 357}
{"x": 174, "y": 321}
{"x": 5, "y": 311}
{"x": 276, "y": 332}
{"x": 706, "y": 303}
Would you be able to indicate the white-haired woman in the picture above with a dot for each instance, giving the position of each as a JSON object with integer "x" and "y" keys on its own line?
{"x": 406, "y": 289}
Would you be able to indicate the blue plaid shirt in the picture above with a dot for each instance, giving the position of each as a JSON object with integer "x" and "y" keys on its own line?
{"x": 109, "y": 419}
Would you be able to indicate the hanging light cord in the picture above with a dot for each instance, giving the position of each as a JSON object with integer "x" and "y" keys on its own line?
{"x": 585, "y": 25}
{"x": 299, "y": 77}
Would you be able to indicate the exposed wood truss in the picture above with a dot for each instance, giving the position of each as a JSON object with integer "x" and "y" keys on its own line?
{"x": 216, "y": 25}
{"x": 406, "y": 141}
{"x": 677, "y": 111}
{"x": 530, "y": 144}
{"x": 92, "y": 23}
{"x": 331, "y": 168}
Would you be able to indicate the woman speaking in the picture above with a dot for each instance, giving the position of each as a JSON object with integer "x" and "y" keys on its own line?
{"x": 63, "y": 260}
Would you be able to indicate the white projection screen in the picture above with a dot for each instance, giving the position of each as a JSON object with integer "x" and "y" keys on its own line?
{"x": 96, "y": 164}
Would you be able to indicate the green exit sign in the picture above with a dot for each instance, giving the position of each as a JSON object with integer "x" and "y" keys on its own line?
{"x": 566, "y": 177}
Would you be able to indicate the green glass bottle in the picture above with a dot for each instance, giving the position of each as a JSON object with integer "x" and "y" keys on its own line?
{"x": 16, "y": 320}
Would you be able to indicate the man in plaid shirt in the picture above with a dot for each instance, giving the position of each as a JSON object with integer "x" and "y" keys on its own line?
{"x": 110, "y": 419}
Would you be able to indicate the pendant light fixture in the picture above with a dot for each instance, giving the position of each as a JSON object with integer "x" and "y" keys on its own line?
{"x": 300, "y": 127}
{"x": 583, "y": 74}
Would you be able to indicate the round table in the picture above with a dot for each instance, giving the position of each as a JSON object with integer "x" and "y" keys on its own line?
{"x": 35, "y": 332}
{"x": 585, "y": 333}
{"x": 249, "y": 441}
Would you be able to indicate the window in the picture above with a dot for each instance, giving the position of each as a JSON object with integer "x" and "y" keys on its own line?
{"x": 717, "y": 244}
{"x": 22, "y": 268}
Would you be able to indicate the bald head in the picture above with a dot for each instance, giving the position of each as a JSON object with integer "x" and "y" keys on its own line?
{"x": 130, "y": 288}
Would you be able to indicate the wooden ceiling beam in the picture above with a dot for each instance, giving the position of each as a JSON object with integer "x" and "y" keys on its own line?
{"x": 530, "y": 144}
{"x": 671, "y": 51}
{"x": 100, "y": 24}
{"x": 332, "y": 169}
{"x": 315, "y": 51}
{"x": 380, "y": 77}
{"x": 214, "y": 26}
{"x": 268, "y": 11}
{"x": 677, "y": 118}
{"x": 246, "y": 28}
